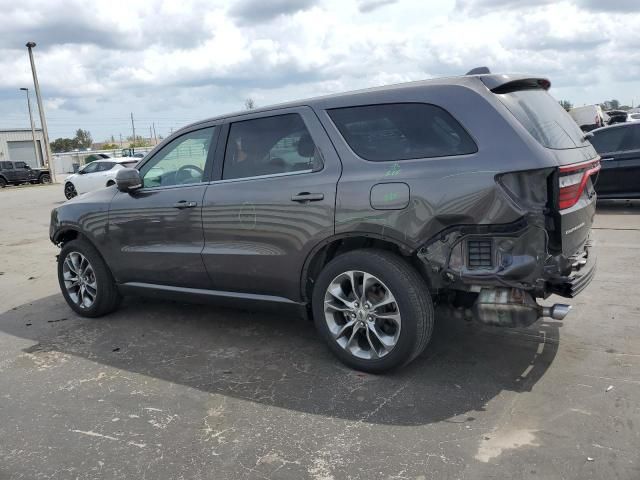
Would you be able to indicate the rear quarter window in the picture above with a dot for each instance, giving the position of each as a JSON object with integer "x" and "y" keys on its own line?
{"x": 401, "y": 131}
{"x": 543, "y": 117}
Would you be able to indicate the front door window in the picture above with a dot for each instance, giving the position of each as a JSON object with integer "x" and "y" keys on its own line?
{"x": 181, "y": 162}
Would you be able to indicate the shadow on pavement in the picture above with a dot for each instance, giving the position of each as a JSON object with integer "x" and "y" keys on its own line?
{"x": 279, "y": 360}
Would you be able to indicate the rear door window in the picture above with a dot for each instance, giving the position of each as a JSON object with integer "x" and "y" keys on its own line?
{"x": 612, "y": 139}
{"x": 544, "y": 118}
{"x": 401, "y": 131}
{"x": 270, "y": 146}
{"x": 105, "y": 166}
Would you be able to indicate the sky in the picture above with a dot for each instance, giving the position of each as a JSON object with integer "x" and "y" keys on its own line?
{"x": 175, "y": 62}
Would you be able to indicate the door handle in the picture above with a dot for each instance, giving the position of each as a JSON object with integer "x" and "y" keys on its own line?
{"x": 184, "y": 204}
{"x": 305, "y": 197}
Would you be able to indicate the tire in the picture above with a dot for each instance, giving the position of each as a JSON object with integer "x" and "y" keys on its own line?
{"x": 3, "y": 182}
{"x": 405, "y": 324}
{"x": 45, "y": 178}
{"x": 97, "y": 280}
{"x": 70, "y": 190}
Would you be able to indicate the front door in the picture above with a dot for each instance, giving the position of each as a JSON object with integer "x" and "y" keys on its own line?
{"x": 272, "y": 201}
{"x": 609, "y": 143}
{"x": 156, "y": 231}
{"x": 85, "y": 180}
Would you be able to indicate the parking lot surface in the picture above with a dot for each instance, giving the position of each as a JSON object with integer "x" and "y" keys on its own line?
{"x": 172, "y": 391}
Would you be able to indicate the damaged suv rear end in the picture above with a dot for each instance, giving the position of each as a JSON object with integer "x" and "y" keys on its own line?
{"x": 496, "y": 216}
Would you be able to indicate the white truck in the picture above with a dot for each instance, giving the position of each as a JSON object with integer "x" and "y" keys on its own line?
{"x": 588, "y": 117}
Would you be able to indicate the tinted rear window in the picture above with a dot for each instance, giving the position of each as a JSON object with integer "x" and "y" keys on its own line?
{"x": 544, "y": 118}
{"x": 401, "y": 131}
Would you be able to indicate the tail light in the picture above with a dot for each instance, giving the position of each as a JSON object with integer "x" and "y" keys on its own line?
{"x": 572, "y": 180}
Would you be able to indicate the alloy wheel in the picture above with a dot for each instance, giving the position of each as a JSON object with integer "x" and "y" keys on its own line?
{"x": 79, "y": 280}
{"x": 362, "y": 315}
{"x": 70, "y": 191}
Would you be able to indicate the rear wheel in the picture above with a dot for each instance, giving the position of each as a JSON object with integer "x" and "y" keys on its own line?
{"x": 70, "y": 190}
{"x": 85, "y": 280}
{"x": 373, "y": 309}
{"x": 45, "y": 178}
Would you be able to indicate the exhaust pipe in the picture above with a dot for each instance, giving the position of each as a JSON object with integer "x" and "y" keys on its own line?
{"x": 556, "y": 311}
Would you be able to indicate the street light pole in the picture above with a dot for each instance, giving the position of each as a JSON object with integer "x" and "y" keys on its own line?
{"x": 33, "y": 128}
{"x": 43, "y": 122}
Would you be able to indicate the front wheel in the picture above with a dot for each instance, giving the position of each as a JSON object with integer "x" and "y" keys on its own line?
{"x": 373, "y": 309}
{"x": 85, "y": 280}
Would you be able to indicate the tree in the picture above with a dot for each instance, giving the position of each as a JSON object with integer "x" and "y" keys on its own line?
{"x": 611, "y": 104}
{"x": 138, "y": 142}
{"x": 249, "y": 103}
{"x": 60, "y": 145}
{"x": 566, "y": 104}
{"x": 109, "y": 146}
{"x": 83, "y": 138}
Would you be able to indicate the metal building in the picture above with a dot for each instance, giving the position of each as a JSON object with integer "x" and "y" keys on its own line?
{"x": 16, "y": 145}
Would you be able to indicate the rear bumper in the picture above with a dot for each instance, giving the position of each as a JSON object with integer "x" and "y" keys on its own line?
{"x": 580, "y": 277}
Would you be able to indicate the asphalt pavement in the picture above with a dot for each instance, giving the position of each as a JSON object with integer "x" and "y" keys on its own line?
{"x": 162, "y": 390}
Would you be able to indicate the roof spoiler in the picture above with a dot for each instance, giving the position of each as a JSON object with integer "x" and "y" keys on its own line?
{"x": 478, "y": 71}
{"x": 506, "y": 83}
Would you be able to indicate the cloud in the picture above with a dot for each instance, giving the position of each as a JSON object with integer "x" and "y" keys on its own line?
{"x": 259, "y": 11}
{"x": 172, "y": 63}
{"x": 488, "y": 6}
{"x": 483, "y": 7}
{"x": 366, "y": 6}
{"x": 622, "y": 6}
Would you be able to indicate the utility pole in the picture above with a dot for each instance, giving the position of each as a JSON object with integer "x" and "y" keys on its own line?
{"x": 33, "y": 129}
{"x": 155, "y": 138}
{"x": 120, "y": 140}
{"x": 150, "y": 134}
{"x": 133, "y": 127}
{"x": 43, "y": 122}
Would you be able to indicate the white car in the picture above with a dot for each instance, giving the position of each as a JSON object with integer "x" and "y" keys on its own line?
{"x": 95, "y": 175}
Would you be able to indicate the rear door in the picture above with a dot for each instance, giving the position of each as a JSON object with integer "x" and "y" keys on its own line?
{"x": 272, "y": 201}
{"x": 9, "y": 172}
{"x": 156, "y": 232}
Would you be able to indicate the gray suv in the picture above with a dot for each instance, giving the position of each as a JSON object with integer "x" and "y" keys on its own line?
{"x": 361, "y": 209}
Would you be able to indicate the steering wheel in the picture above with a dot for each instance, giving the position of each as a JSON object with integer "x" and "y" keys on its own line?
{"x": 277, "y": 165}
{"x": 184, "y": 176}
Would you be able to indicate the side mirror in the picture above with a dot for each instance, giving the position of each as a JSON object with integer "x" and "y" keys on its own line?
{"x": 128, "y": 180}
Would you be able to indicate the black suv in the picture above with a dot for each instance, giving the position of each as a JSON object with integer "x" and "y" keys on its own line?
{"x": 15, "y": 173}
{"x": 361, "y": 208}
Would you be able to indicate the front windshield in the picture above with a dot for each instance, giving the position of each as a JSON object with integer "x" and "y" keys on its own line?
{"x": 544, "y": 118}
